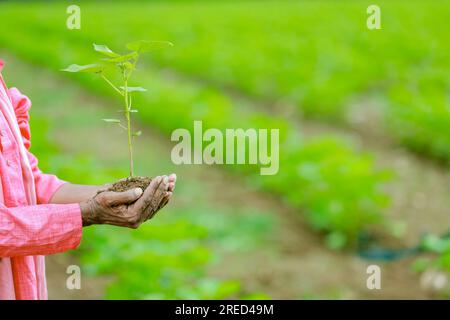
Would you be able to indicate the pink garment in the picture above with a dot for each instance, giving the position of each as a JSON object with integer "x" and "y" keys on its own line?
{"x": 30, "y": 227}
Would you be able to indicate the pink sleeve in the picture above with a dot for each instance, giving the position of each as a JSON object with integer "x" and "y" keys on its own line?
{"x": 46, "y": 184}
{"x": 39, "y": 230}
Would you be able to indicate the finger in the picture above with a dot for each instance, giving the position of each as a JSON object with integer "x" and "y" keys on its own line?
{"x": 165, "y": 183}
{"x": 172, "y": 180}
{"x": 145, "y": 200}
{"x": 164, "y": 201}
{"x": 157, "y": 198}
{"x": 159, "y": 194}
{"x": 119, "y": 198}
{"x": 166, "y": 198}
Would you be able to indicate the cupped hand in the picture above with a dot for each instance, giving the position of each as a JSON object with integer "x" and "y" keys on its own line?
{"x": 130, "y": 208}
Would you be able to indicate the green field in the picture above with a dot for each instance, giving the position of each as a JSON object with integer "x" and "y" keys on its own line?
{"x": 320, "y": 168}
{"x": 292, "y": 53}
{"x": 254, "y": 64}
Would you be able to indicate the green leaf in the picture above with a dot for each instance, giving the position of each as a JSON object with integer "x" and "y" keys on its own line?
{"x": 145, "y": 46}
{"x": 133, "y": 89}
{"x": 112, "y": 120}
{"x": 137, "y": 133}
{"x": 95, "y": 68}
{"x": 128, "y": 66}
{"x": 105, "y": 50}
{"x": 107, "y": 65}
{"x": 434, "y": 243}
{"x": 123, "y": 58}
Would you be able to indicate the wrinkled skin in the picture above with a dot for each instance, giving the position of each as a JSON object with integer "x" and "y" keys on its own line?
{"x": 130, "y": 208}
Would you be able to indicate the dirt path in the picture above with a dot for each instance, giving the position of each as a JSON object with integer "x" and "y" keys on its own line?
{"x": 291, "y": 262}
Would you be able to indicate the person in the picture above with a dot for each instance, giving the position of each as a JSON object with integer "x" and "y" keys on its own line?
{"x": 42, "y": 215}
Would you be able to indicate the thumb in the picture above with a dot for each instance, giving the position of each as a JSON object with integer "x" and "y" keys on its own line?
{"x": 126, "y": 197}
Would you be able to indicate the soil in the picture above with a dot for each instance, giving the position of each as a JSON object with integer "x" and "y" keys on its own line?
{"x": 131, "y": 183}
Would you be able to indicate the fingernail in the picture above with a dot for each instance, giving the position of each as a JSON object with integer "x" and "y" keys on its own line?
{"x": 166, "y": 179}
{"x": 137, "y": 192}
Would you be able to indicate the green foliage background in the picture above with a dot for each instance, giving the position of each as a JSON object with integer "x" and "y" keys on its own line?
{"x": 303, "y": 59}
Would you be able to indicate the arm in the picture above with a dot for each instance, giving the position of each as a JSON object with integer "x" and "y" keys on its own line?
{"x": 55, "y": 224}
{"x": 52, "y": 228}
{"x": 39, "y": 229}
{"x": 74, "y": 193}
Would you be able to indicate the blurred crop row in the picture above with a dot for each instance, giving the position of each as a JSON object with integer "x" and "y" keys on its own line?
{"x": 292, "y": 61}
{"x": 317, "y": 56}
{"x": 165, "y": 259}
{"x": 317, "y": 171}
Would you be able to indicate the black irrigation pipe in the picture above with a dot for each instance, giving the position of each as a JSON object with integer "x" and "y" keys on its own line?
{"x": 388, "y": 255}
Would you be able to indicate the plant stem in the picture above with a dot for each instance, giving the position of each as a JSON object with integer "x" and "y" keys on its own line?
{"x": 111, "y": 84}
{"x": 127, "y": 116}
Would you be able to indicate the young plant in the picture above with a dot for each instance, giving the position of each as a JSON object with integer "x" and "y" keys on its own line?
{"x": 124, "y": 64}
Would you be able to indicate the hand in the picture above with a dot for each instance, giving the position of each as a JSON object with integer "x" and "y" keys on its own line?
{"x": 129, "y": 208}
{"x": 172, "y": 181}
{"x": 156, "y": 205}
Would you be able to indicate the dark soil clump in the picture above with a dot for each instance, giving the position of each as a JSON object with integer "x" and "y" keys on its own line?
{"x": 131, "y": 183}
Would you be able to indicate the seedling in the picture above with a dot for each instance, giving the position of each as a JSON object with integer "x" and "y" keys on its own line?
{"x": 125, "y": 65}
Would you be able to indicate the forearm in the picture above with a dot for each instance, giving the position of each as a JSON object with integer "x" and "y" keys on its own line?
{"x": 74, "y": 193}
{"x": 39, "y": 229}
